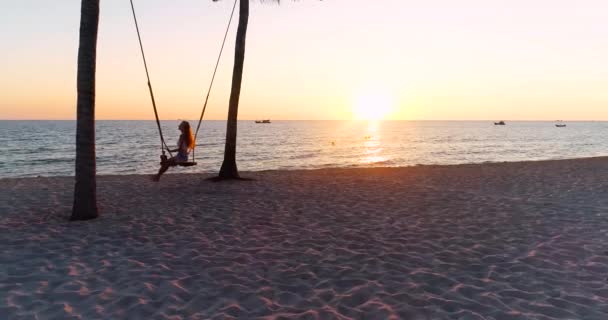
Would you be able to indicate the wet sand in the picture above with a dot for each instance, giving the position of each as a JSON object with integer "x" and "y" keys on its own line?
{"x": 525, "y": 240}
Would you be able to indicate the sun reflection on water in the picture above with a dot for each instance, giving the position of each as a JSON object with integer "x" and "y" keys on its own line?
{"x": 372, "y": 145}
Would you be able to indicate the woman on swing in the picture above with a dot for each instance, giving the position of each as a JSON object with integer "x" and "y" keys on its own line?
{"x": 184, "y": 145}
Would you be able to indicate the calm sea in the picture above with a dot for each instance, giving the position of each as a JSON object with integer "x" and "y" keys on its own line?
{"x": 46, "y": 148}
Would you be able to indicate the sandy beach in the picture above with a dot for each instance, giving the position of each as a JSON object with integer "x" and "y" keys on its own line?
{"x": 525, "y": 240}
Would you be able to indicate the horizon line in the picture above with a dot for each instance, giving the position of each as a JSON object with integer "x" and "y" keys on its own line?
{"x": 356, "y": 120}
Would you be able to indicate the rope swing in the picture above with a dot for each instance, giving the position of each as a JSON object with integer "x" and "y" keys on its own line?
{"x": 163, "y": 144}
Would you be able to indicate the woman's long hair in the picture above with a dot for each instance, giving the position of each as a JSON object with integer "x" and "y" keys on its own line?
{"x": 187, "y": 134}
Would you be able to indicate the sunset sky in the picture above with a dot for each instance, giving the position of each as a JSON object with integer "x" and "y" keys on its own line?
{"x": 332, "y": 59}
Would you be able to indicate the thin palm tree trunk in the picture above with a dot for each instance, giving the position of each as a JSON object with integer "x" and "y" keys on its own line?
{"x": 229, "y": 169}
{"x": 85, "y": 193}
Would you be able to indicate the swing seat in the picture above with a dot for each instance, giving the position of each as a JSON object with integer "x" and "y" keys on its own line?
{"x": 181, "y": 164}
{"x": 164, "y": 159}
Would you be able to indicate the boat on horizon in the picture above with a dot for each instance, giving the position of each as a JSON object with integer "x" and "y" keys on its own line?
{"x": 559, "y": 124}
{"x": 499, "y": 123}
{"x": 263, "y": 121}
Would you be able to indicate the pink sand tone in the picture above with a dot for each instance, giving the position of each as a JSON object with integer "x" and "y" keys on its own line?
{"x": 494, "y": 241}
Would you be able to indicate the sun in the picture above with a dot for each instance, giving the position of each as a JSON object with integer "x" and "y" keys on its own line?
{"x": 372, "y": 105}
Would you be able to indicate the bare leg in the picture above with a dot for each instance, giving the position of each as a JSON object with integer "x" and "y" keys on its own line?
{"x": 164, "y": 166}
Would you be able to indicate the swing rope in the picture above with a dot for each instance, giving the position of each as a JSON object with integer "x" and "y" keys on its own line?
{"x": 163, "y": 144}
{"x": 213, "y": 77}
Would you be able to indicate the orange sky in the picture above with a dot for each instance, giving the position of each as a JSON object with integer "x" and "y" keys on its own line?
{"x": 446, "y": 60}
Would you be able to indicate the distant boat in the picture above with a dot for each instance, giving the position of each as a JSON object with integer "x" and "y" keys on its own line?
{"x": 262, "y": 121}
{"x": 560, "y": 125}
{"x": 499, "y": 123}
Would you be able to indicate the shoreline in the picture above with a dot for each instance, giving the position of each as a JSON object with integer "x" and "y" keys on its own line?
{"x": 210, "y": 174}
{"x": 507, "y": 240}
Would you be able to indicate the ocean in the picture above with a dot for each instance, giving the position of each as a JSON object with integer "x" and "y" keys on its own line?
{"x": 47, "y": 148}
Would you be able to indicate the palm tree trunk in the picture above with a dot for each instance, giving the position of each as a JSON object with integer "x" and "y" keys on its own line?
{"x": 229, "y": 169}
{"x": 85, "y": 193}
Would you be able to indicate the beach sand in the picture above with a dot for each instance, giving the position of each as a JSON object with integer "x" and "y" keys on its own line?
{"x": 524, "y": 240}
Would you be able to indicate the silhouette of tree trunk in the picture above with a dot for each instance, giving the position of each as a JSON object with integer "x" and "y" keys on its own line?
{"x": 85, "y": 193}
{"x": 229, "y": 169}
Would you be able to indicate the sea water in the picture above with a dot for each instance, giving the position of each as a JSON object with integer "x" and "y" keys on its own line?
{"x": 47, "y": 148}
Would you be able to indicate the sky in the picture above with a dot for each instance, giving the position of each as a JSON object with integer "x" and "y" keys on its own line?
{"x": 309, "y": 60}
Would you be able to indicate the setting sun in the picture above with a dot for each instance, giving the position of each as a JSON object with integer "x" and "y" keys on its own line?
{"x": 374, "y": 105}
